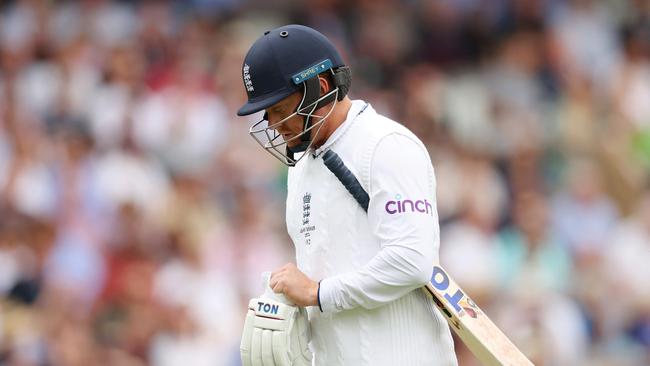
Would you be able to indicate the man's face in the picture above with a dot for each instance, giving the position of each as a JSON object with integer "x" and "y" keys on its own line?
{"x": 293, "y": 126}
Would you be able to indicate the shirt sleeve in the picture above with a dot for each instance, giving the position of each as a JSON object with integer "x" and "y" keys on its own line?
{"x": 403, "y": 217}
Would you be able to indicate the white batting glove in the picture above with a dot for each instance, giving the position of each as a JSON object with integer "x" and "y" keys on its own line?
{"x": 276, "y": 333}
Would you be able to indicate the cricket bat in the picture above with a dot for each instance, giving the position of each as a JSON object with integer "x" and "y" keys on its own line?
{"x": 475, "y": 329}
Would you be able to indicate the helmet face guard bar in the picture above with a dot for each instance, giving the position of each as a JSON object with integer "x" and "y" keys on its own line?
{"x": 268, "y": 137}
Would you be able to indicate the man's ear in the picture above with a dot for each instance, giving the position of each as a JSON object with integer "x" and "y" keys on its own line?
{"x": 325, "y": 85}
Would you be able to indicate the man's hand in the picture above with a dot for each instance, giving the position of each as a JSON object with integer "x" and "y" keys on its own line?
{"x": 295, "y": 285}
{"x": 275, "y": 332}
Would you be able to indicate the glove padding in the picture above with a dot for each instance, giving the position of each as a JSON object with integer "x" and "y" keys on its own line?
{"x": 276, "y": 333}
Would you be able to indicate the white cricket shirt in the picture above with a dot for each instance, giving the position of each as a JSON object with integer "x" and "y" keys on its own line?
{"x": 371, "y": 266}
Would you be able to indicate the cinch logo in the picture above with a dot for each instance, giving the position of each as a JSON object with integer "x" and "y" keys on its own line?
{"x": 400, "y": 205}
{"x": 267, "y": 308}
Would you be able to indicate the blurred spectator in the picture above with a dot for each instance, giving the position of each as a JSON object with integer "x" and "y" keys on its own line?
{"x": 468, "y": 245}
{"x": 583, "y": 215}
{"x": 628, "y": 274}
{"x": 585, "y": 31}
{"x": 529, "y": 255}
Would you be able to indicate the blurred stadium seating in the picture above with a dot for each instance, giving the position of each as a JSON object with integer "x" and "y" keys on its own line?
{"x": 136, "y": 214}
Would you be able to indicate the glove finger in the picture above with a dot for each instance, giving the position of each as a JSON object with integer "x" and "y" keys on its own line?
{"x": 267, "y": 348}
{"x": 256, "y": 348}
{"x": 247, "y": 334}
{"x": 280, "y": 351}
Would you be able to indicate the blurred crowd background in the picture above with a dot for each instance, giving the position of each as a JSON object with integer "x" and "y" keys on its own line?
{"x": 136, "y": 214}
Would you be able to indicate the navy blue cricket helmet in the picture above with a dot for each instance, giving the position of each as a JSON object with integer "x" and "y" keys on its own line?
{"x": 272, "y": 62}
{"x": 284, "y": 61}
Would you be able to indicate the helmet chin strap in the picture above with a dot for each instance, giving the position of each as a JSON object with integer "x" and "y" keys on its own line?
{"x": 310, "y": 96}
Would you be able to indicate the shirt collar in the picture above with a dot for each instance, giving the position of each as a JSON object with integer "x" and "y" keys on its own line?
{"x": 358, "y": 107}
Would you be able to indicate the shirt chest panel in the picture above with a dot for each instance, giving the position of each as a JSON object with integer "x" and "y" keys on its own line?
{"x": 324, "y": 221}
